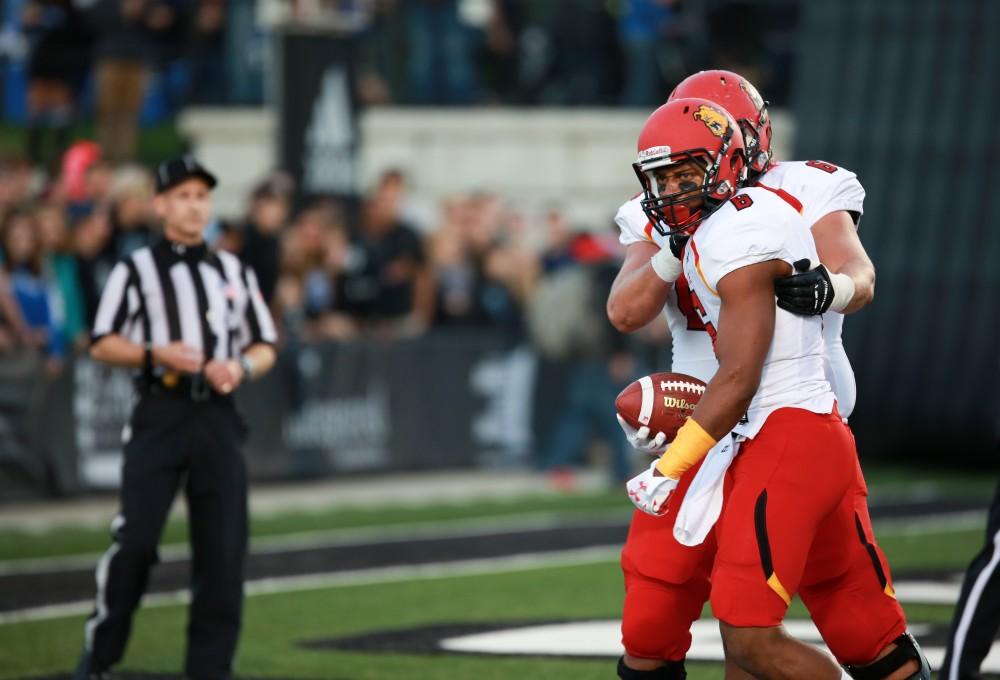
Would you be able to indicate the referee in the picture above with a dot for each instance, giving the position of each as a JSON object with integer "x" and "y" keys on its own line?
{"x": 976, "y": 620}
{"x": 193, "y": 324}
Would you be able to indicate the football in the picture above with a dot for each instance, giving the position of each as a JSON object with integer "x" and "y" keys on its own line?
{"x": 661, "y": 402}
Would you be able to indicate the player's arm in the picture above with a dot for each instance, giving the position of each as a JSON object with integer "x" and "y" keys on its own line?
{"x": 843, "y": 282}
{"x": 638, "y": 292}
{"x": 745, "y": 331}
{"x": 840, "y": 250}
{"x": 116, "y": 350}
{"x": 261, "y": 357}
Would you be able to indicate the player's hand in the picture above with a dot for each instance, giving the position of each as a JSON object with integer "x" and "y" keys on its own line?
{"x": 649, "y": 491}
{"x": 179, "y": 357}
{"x": 640, "y": 439}
{"x": 224, "y": 376}
{"x": 808, "y": 293}
{"x": 677, "y": 242}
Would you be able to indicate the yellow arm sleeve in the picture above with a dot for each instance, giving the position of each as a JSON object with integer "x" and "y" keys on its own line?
{"x": 690, "y": 445}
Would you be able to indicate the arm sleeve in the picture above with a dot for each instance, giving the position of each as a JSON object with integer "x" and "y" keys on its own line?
{"x": 257, "y": 326}
{"x": 843, "y": 192}
{"x": 113, "y": 309}
{"x": 632, "y": 222}
{"x": 746, "y": 244}
{"x": 847, "y": 194}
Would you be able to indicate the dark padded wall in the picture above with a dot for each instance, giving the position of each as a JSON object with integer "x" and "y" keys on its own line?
{"x": 907, "y": 94}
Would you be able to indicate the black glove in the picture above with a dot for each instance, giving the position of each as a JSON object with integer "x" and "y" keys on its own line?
{"x": 677, "y": 242}
{"x": 807, "y": 293}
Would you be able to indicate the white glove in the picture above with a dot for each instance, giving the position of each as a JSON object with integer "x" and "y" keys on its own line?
{"x": 639, "y": 439}
{"x": 650, "y": 492}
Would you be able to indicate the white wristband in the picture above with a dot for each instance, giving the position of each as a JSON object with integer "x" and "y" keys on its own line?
{"x": 843, "y": 291}
{"x": 666, "y": 266}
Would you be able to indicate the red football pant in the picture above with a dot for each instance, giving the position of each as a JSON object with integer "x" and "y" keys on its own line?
{"x": 796, "y": 521}
{"x": 666, "y": 583}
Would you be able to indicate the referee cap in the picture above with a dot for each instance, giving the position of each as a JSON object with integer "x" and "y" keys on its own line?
{"x": 171, "y": 173}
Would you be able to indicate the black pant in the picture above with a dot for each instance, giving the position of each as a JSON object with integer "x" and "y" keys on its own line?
{"x": 977, "y": 615}
{"x": 178, "y": 441}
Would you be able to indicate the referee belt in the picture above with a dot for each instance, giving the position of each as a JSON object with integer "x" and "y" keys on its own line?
{"x": 193, "y": 387}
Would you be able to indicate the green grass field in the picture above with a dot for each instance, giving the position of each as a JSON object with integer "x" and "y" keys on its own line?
{"x": 276, "y": 623}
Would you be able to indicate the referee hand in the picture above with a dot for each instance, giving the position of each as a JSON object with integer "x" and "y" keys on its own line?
{"x": 179, "y": 357}
{"x": 224, "y": 376}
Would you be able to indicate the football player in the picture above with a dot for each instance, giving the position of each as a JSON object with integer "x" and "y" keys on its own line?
{"x": 667, "y": 581}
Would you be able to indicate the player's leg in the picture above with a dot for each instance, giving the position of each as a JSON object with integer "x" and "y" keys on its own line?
{"x": 656, "y": 621}
{"x": 150, "y": 476}
{"x": 976, "y": 619}
{"x": 785, "y": 481}
{"x": 217, "y": 507}
{"x": 666, "y": 587}
{"x": 848, "y": 590}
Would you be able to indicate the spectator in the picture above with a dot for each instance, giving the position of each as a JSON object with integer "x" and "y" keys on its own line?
{"x": 76, "y": 164}
{"x": 261, "y": 232}
{"x": 587, "y": 64}
{"x": 57, "y": 66}
{"x": 483, "y": 275}
{"x": 309, "y": 290}
{"x": 91, "y": 236}
{"x": 644, "y": 28}
{"x": 499, "y": 55}
{"x": 85, "y": 180}
{"x": 131, "y": 211}
{"x": 569, "y": 323}
{"x": 60, "y": 270}
{"x": 206, "y": 46}
{"x": 440, "y": 53}
{"x": 387, "y": 282}
{"x": 455, "y": 273}
{"x": 125, "y": 46}
{"x": 17, "y": 182}
{"x": 13, "y": 331}
{"x": 23, "y": 263}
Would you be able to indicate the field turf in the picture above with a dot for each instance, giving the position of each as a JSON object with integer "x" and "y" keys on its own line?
{"x": 276, "y": 623}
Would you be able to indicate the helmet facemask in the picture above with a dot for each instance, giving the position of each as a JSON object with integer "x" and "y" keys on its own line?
{"x": 758, "y": 160}
{"x": 672, "y": 213}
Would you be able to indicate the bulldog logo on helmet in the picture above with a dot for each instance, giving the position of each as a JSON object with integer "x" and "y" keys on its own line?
{"x": 713, "y": 119}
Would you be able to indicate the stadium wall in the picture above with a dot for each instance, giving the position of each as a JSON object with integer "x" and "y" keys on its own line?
{"x": 904, "y": 92}
{"x": 578, "y": 159}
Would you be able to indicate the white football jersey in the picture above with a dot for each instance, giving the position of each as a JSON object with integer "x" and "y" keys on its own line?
{"x": 692, "y": 348}
{"x": 759, "y": 225}
{"x": 821, "y": 188}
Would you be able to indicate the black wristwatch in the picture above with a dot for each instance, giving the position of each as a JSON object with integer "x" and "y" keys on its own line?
{"x": 147, "y": 356}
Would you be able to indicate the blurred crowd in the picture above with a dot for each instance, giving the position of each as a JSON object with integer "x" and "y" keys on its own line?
{"x": 119, "y": 61}
{"x": 566, "y": 53}
{"x": 387, "y": 266}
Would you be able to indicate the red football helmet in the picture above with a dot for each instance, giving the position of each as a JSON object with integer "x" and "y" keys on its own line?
{"x": 685, "y": 130}
{"x": 737, "y": 95}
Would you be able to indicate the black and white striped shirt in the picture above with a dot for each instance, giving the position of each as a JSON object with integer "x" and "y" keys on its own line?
{"x": 167, "y": 292}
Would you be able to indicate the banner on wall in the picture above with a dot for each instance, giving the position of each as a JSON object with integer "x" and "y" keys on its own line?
{"x": 318, "y": 111}
{"x": 438, "y": 402}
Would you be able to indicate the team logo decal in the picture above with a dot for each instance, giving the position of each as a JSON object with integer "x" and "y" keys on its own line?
{"x": 713, "y": 119}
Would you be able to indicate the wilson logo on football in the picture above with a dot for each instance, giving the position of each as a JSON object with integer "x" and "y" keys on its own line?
{"x": 681, "y": 404}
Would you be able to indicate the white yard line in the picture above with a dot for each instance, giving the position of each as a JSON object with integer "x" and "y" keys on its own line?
{"x": 463, "y": 527}
{"x": 358, "y": 577}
